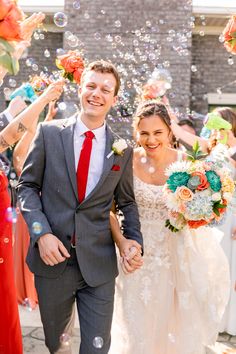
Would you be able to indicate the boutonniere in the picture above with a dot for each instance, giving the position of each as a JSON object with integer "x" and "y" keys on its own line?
{"x": 118, "y": 148}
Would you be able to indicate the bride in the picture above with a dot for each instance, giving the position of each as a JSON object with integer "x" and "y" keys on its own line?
{"x": 174, "y": 303}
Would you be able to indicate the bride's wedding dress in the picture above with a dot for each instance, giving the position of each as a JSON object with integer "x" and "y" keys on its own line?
{"x": 174, "y": 303}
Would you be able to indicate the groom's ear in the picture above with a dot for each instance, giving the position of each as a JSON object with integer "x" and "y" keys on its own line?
{"x": 115, "y": 99}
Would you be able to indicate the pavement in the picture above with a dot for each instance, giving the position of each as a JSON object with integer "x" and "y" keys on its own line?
{"x": 33, "y": 337}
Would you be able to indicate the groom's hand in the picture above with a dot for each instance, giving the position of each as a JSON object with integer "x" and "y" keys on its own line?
{"x": 132, "y": 260}
{"x": 51, "y": 249}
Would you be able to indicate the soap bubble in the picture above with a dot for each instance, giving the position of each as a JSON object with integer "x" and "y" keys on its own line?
{"x": 76, "y": 5}
{"x": 37, "y": 227}
{"x": 98, "y": 342}
{"x": 60, "y": 19}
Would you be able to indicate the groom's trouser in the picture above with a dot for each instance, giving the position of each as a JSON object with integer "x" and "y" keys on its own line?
{"x": 95, "y": 308}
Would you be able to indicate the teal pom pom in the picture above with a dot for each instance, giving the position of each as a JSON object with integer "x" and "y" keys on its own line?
{"x": 177, "y": 179}
{"x": 214, "y": 181}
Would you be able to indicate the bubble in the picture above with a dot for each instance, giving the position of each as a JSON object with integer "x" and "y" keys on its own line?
{"x": 109, "y": 38}
{"x": 98, "y": 342}
{"x": 171, "y": 337}
{"x": 1, "y": 82}
{"x": 97, "y": 36}
{"x": 36, "y": 36}
{"x": 47, "y": 53}
{"x": 218, "y": 90}
{"x": 27, "y": 304}
{"x": 202, "y": 33}
{"x": 86, "y": 15}
{"x": 118, "y": 39}
{"x": 29, "y": 61}
{"x": 35, "y": 67}
{"x": 103, "y": 12}
{"x": 143, "y": 160}
{"x": 230, "y": 61}
{"x": 117, "y": 23}
{"x": 193, "y": 68}
{"x": 12, "y": 83}
{"x": 76, "y": 5}
{"x": 138, "y": 33}
{"x": 65, "y": 339}
{"x": 148, "y": 24}
{"x": 62, "y": 106}
{"x": 73, "y": 41}
{"x": 221, "y": 38}
{"x": 11, "y": 215}
{"x": 60, "y": 51}
{"x": 37, "y": 228}
{"x": 151, "y": 169}
{"x": 166, "y": 64}
{"x": 6, "y": 240}
{"x": 60, "y": 19}
{"x": 135, "y": 42}
{"x": 41, "y": 36}
{"x": 1, "y": 260}
{"x": 13, "y": 175}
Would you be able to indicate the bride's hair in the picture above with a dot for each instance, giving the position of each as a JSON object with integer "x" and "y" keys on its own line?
{"x": 152, "y": 108}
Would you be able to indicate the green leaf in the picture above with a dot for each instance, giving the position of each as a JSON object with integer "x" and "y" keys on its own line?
{"x": 216, "y": 211}
{"x": 8, "y": 47}
{"x": 196, "y": 146}
{"x": 15, "y": 66}
{"x": 6, "y": 62}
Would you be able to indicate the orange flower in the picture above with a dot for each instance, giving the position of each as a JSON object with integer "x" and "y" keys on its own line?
{"x": 10, "y": 29}
{"x": 204, "y": 184}
{"x": 194, "y": 224}
{"x": 5, "y": 6}
{"x": 72, "y": 63}
{"x": 77, "y": 75}
{"x": 223, "y": 210}
{"x": 229, "y": 34}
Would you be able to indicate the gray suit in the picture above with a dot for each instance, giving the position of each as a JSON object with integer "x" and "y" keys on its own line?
{"x": 48, "y": 196}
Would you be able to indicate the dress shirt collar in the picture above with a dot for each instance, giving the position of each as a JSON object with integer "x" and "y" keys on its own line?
{"x": 81, "y": 129}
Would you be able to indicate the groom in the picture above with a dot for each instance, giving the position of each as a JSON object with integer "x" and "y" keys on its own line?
{"x": 66, "y": 191}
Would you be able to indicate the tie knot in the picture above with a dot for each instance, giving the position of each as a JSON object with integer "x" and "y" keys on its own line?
{"x": 89, "y": 134}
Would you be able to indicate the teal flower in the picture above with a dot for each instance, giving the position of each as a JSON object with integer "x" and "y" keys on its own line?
{"x": 177, "y": 179}
{"x": 193, "y": 182}
{"x": 214, "y": 181}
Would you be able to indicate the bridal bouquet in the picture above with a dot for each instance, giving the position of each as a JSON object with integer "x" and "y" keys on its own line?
{"x": 197, "y": 192}
{"x": 72, "y": 65}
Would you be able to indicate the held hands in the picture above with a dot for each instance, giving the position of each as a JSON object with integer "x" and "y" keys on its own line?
{"x": 51, "y": 249}
{"x": 130, "y": 251}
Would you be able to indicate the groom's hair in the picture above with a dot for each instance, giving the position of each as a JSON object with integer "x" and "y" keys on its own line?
{"x": 102, "y": 66}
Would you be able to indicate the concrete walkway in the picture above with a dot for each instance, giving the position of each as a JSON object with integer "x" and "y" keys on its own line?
{"x": 33, "y": 337}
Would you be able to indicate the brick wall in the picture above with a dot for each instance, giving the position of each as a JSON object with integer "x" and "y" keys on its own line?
{"x": 213, "y": 70}
{"x": 98, "y": 19}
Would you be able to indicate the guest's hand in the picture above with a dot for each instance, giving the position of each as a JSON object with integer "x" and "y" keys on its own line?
{"x": 53, "y": 92}
{"x": 30, "y": 24}
{"x": 52, "y": 111}
{"x": 16, "y": 106}
{"x": 51, "y": 249}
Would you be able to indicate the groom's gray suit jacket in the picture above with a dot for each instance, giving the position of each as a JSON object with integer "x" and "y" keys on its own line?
{"x": 47, "y": 193}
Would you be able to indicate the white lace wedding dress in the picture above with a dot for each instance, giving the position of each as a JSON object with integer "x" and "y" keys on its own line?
{"x": 174, "y": 303}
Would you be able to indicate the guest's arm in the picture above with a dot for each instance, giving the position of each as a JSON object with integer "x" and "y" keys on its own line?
{"x": 25, "y": 120}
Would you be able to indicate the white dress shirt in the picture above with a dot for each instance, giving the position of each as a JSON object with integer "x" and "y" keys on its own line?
{"x": 97, "y": 153}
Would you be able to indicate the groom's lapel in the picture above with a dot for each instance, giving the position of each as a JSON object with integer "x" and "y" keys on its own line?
{"x": 107, "y": 162}
{"x": 67, "y": 134}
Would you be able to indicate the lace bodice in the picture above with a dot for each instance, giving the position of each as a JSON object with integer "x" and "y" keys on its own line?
{"x": 149, "y": 198}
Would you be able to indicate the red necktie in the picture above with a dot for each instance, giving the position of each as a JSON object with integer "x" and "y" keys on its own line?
{"x": 83, "y": 165}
